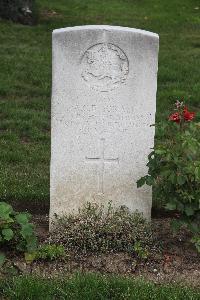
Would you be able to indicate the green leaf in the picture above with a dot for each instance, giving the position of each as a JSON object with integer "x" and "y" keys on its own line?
{"x": 141, "y": 182}
{"x": 151, "y": 154}
{"x": 170, "y": 206}
{"x": 189, "y": 211}
{"x": 181, "y": 179}
{"x": 180, "y": 206}
{"x": 196, "y": 241}
{"x": 168, "y": 157}
{"x": 31, "y": 243}
{"x": 2, "y": 259}
{"x": 197, "y": 173}
{"x": 193, "y": 227}
{"x": 30, "y": 257}
{"x": 166, "y": 173}
{"x": 5, "y": 212}
{"x": 172, "y": 178}
{"x": 7, "y": 234}
{"x": 22, "y": 218}
{"x": 26, "y": 230}
{"x": 149, "y": 180}
{"x": 160, "y": 151}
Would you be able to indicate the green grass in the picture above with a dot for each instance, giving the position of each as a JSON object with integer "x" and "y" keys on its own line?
{"x": 92, "y": 287}
{"x": 25, "y": 78}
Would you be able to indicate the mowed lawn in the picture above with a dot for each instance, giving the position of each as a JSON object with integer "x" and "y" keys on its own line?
{"x": 92, "y": 287}
{"x": 25, "y": 78}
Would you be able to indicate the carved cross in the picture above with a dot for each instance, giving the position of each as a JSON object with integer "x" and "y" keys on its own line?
{"x": 101, "y": 160}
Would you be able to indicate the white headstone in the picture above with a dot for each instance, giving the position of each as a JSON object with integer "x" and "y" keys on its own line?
{"x": 103, "y": 103}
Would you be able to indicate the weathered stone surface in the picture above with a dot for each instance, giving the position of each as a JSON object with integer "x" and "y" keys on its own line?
{"x": 103, "y": 103}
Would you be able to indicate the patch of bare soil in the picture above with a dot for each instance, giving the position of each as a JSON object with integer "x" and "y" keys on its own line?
{"x": 176, "y": 260}
{"x": 48, "y": 14}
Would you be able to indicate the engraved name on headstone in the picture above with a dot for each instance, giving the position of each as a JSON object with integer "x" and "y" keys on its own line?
{"x": 103, "y": 103}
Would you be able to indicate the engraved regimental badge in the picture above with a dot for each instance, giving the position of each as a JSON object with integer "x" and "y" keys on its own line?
{"x": 104, "y": 67}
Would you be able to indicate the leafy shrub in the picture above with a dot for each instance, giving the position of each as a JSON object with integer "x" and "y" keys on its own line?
{"x": 50, "y": 252}
{"x": 15, "y": 230}
{"x": 174, "y": 167}
{"x": 96, "y": 229}
{"x": 22, "y": 11}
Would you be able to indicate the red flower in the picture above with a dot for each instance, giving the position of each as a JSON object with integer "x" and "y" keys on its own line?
{"x": 175, "y": 117}
{"x": 185, "y": 115}
{"x": 188, "y": 116}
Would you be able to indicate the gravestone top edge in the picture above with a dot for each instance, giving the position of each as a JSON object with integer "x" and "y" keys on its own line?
{"x": 106, "y": 27}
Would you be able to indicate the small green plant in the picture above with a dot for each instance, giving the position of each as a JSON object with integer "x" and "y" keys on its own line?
{"x": 99, "y": 229}
{"x": 140, "y": 250}
{"x": 196, "y": 241}
{"x": 174, "y": 167}
{"x": 50, "y": 252}
{"x": 15, "y": 231}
